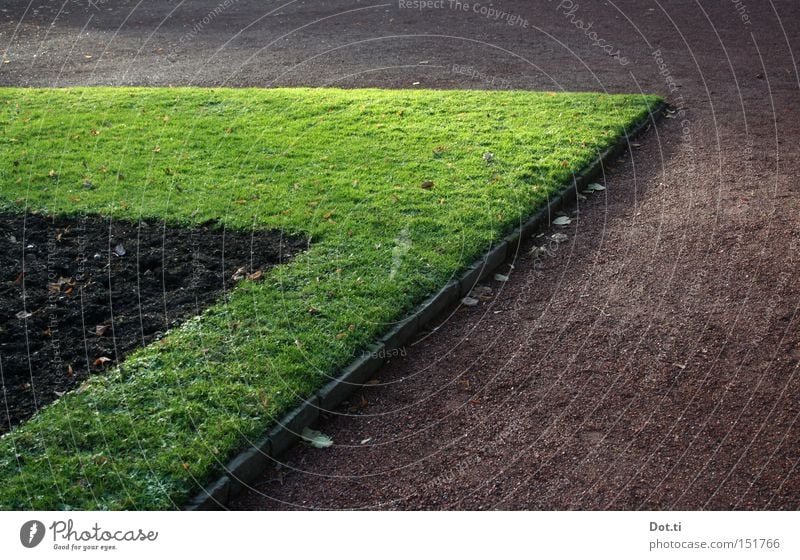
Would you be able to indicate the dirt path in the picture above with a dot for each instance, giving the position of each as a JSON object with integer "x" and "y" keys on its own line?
{"x": 651, "y": 360}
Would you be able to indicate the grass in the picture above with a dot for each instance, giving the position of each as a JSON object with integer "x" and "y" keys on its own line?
{"x": 346, "y": 167}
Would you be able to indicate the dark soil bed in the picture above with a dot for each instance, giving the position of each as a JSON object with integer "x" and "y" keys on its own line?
{"x": 78, "y": 294}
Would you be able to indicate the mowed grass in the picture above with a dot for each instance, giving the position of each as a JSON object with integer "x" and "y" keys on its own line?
{"x": 345, "y": 167}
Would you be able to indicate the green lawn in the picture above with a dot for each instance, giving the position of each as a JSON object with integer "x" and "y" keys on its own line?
{"x": 346, "y": 167}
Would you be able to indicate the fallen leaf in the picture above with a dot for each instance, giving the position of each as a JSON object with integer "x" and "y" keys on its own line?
{"x": 481, "y": 292}
{"x": 366, "y": 441}
{"x": 427, "y": 185}
{"x": 119, "y": 250}
{"x": 562, "y": 221}
{"x": 316, "y": 438}
{"x": 23, "y": 315}
{"x": 239, "y": 274}
{"x": 501, "y": 277}
{"x": 595, "y": 187}
{"x": 60, "y": 284}
{"x": 101, "y": 361}
{"x": 559, "y": 237}
{"x": 469, "y": 301}
{"x": 101, "y": 330}
{"x": 255, "y": 276}
{"x": 536, "y": 251}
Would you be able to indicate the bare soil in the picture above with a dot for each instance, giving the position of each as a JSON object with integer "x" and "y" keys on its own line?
{"x": 79, "y": 294}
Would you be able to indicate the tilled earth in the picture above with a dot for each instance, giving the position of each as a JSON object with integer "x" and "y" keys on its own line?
{"x": 78, "y": 294}
{"x": 650, "y": 360}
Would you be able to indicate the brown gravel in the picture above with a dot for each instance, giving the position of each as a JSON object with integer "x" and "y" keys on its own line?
{"x": 649, "y": 362}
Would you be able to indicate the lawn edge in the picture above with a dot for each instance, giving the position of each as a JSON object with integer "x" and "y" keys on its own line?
{"x": 250, "y": 463}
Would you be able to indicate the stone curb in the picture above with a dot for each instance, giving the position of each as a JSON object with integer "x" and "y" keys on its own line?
{"x": 248, "y": 465}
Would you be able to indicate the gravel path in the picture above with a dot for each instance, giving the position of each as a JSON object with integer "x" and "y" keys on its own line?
{"x": 648, "y": 361}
